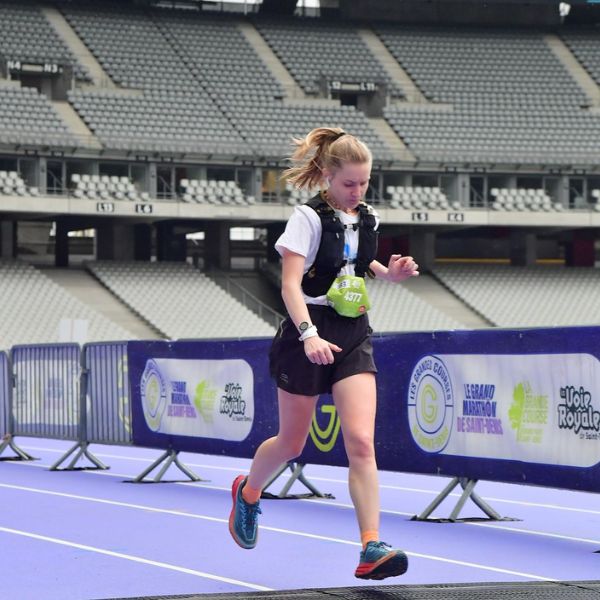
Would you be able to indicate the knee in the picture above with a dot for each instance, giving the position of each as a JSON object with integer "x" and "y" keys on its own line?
{"x": 360, "y": 449}
{"x": 292, "y": 448}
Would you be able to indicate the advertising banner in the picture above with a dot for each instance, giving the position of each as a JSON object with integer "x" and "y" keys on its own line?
{"x": 519, "y": 406}
{"x": 202, "y": 396}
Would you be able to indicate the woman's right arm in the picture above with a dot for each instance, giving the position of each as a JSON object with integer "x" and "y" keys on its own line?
{"x": 318, "y": 350}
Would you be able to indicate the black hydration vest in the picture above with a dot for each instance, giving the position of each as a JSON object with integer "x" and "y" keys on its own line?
{"x": 330, "y": 256}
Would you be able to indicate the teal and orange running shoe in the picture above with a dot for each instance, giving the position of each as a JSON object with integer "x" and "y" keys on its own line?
{"x": 243, "y": 519}
{"x": 379, "y": 560}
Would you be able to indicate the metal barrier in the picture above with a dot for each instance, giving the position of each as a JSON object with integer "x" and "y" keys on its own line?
{"x": 5, "y": 389}
{"x": 46, "y": 394}
{"x": 106, "y": 386}
{"x": 6, "y": 420}
{"x": 47, "y": 398}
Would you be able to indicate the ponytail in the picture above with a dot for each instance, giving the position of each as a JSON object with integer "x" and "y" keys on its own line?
{"x": 323, "y": 148}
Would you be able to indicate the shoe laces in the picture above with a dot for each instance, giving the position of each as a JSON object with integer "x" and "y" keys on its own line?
{"x": 382, "y": 545}
{"x": 249, "y": 512}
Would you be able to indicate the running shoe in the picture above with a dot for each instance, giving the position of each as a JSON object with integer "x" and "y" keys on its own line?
{"x": 243, "y": 519}
{"x": 379, "y": 560}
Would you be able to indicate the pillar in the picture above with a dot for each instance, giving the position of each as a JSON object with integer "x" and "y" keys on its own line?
{"x": 523, "y": 248}
{"x": 422, "y": 248}
{"x": 217, "y": 247}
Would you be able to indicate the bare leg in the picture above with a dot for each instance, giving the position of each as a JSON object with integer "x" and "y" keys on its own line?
{"x": 355, "y": 401}
{"x": 295, "y": 416}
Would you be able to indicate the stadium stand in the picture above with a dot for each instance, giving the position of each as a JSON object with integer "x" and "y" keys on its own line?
{"x": 395, "y": 308}
{"x": 28, "y": 117}
{"x": 419, "y": 197}
{"x": 523, "y": 199}
{"x": 218, "y": 53}
{"x": 502, "y": 108}
{"x": 537, "y": 296}
{"x": 337, "y": 52}
{"x": 596, "y": 204}
{"x": 199, "y": 80}
{"x": 179, "y": 300}
{"x": 105, "y": 187}
{"x": 172, "y": 112}
{"x": 33, "y": 307}
{"x": 296, "y": 196}
{"x": 27, "y": 36}
{"x": 11, "y": 184}
{"x": 213, "y": 191}
{"x": 585, "y": 45}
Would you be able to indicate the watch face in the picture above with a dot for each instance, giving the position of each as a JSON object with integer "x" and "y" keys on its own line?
{"x": 303, "y": 326}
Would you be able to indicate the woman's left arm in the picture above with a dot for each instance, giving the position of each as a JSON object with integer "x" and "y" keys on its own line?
{"x": 399, "y": 268}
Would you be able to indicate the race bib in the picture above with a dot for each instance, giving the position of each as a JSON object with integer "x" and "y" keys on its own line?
{"x": 348, "y": 296}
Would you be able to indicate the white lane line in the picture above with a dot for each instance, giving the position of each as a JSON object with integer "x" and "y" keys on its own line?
{"x": 269, "y": 528}
{"x": 337, "y": 504}
{"x": 137, "y": 559}
{"x": 345, "y": 482}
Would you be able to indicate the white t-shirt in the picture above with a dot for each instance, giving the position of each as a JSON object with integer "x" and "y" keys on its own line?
{"x": 302, "y": 235}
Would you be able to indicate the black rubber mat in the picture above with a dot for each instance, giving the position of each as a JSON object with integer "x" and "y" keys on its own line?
{"x": 530, "y": 590}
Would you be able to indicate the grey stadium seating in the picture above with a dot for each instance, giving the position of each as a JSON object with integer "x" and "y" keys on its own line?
{"x": 28, "y": 117}
{"x": 527, "y": 296}
{"x": 174, "y": 112}
{"x": 12, "y": 184}
{"x": 26, "y": 35}
{"x": 33, "y": 306}
{"x": 512, "y": 100}
{"x": 200, "y": 80}
{"x": 105, "y": 187}
{"x": 585, "y": 45}
{"x": 312, "y": 49}
{"x": 179, "y": 300}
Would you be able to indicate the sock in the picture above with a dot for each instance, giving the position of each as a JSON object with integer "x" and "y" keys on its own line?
{"x": 371, "y": 535}
{"x": 249, "y": 494}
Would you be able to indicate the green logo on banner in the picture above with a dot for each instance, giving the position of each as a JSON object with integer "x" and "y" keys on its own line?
{"x": 527, "y": 413}
{"x": 324, "y": 439}
{"x": 204, "y": 400}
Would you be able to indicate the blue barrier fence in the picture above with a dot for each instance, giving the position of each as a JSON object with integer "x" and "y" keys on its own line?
{"x": 518, "y": 406}
{"x": 508, "y": 405}
{"x": 5, "y": 390}
{"x": 46, "y": 400}
{"x": 107, "y": 390}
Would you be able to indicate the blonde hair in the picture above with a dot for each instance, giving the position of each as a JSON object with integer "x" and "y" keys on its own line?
{"x": 323, "y": 148}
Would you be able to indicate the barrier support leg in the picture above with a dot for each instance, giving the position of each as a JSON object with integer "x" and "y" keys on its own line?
{"x": 468, "y": 487}
{"x": 8, "y": 441}
{"x": 81, "y": 449}
{"x": 297, "y": 475}
{"x": 169, "y": 458}
{"x": 437, "y": 501}
{"x": 483, "y": 505}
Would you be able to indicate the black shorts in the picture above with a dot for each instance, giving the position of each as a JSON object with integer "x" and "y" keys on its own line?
{"x": 292, "y": 370}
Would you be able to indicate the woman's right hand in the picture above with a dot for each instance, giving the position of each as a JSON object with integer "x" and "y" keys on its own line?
{"x": 320, "y": 351}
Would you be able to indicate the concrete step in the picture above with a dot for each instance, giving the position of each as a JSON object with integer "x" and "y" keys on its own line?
{"x": 389, "y": 136}
{"x": 575, "y": 68}
{"x": 99, "y": 76}
{"x": 392, "y": 67}
{"x": 429, "y": 289}
{"x": 277, "y": 68}
{"x": 76, "y": 125}
{"x": 86, "y": 288}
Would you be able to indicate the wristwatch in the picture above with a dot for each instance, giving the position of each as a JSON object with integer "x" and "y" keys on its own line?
{"x": 303, "y": 326}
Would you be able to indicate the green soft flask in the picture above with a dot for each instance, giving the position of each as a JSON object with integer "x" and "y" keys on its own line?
{"x": 348, "y": 296}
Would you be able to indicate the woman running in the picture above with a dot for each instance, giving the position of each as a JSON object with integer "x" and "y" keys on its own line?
{"x": 324, "y": 345}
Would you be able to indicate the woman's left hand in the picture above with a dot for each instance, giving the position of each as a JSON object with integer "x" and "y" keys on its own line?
{"x": 401, "y": 268}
